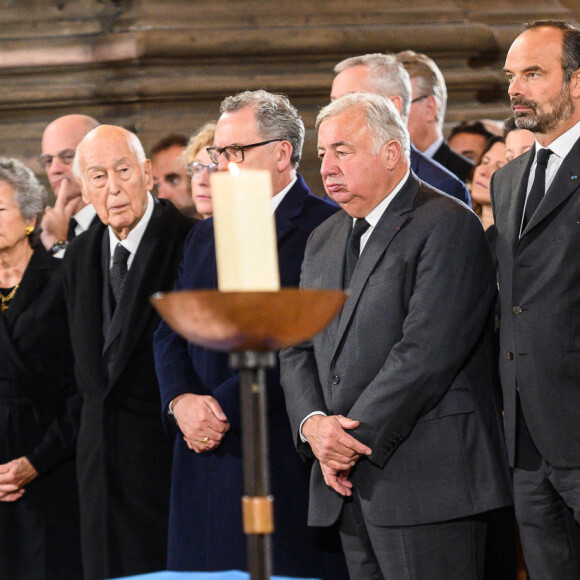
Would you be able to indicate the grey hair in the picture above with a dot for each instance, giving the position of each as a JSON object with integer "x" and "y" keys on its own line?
{"x": 276, "y": 117}
{"x": 133, "y": 142}
{"x": 388, "y": 76}
{"x": 429, "y": 78}
{"x": 381, "y": 116}
{"x": 29, "y": 193}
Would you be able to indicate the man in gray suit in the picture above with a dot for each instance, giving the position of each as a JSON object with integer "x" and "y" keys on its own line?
{"x": 395, "y": 399}
{"x": 536, "y": 201}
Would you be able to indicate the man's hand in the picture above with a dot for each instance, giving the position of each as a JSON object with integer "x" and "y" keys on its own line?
{"x": 331, "y": 444}
{"x": 55, "y": 221}
{"x": 201, "y": 420}
{"x": 14, "y": 475}
{"x": 337, "y": 480}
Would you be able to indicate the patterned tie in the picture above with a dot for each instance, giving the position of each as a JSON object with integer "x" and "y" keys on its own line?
{"x": 353, "y": 249}
{"x": 72, "y": 226}
{"x": 118, "y": 271}
{"x": 538, "y": 187}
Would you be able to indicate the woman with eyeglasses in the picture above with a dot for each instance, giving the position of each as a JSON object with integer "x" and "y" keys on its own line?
{"x": 39, "y": 402}
{"x": 199, "y": 167}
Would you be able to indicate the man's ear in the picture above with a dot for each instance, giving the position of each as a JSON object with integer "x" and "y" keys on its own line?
{"x": 148, "y": 174}
{"x": 431, "y": 108}
{"x": 398, "y": 102}
{"x": 391, "y": 153}
{"x": 284, "y": 155}
{"x": 575, "y": 84}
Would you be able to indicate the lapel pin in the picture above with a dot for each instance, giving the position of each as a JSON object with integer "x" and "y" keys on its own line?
{"x": 574, "y": 177}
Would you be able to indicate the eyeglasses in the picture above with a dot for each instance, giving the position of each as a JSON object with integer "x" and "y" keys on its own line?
{"x": 234, "y": 153}
{"x": 66, "y": 156}
{"x": 196, "y": 168}
{"x": 419, "y": 99}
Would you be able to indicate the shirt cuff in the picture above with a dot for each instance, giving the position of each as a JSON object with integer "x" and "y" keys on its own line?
{"x": 302, "y": 438}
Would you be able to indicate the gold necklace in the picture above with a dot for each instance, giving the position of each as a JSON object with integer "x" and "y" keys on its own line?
{"x": 6, "y": 299}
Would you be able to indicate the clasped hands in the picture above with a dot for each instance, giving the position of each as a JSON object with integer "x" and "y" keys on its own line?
{"x": 56, "y": 219}
{"x": 14, "y": 476}
{"x": 201, "y": 420}
{"x": 335, "y": 449}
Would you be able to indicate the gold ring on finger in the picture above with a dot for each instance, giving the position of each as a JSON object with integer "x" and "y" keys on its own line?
{"x": 205, "y": 440}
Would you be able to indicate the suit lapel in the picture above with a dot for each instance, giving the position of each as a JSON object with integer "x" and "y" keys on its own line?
{"x": 133, "y": 313}
{"x": 391, "y": 222}
{"x": 290, "y": 208}
{"x": 565, "y": 183}
{"x": 520, "y": 177}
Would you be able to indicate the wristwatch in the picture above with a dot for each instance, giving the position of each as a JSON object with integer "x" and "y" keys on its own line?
{"x": 58, "y": 246}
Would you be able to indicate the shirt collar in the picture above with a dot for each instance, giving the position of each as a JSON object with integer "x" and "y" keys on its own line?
{"x": 564, "y": 143}
{"x": 277, "y": 199}
{"x": 434, "y": 147}
{"x": 133, "y": 239}
{"x": 377, "y": 213}
{"x": 85, "y": 216}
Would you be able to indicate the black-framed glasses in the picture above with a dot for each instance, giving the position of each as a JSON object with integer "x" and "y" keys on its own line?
{"x": 196, "y": 168}
{"x": 419, "y": 99}
{"x": 234, "y": 153}
{"x": 66, "y": 156}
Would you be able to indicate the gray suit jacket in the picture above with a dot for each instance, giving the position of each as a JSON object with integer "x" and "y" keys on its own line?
{"x": 539, "y": 281}
{"x": 409, "y": 357}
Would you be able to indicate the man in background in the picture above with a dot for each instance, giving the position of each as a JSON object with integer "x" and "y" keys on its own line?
{"x": 427, "y": 112}
{"x": 170, "y": 174}
{"x": 70, "y": 215}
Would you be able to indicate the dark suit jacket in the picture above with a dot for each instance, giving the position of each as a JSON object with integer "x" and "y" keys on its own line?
{"x": 437, "y": 176}
{"x": 410, "y": 357}
{"x": 456, "y": 163}
{"x": 39, "y": 415}
{"x": 214, "y": 510}
{"x": 124, "y": 457}
{"x": 540, "y": 298}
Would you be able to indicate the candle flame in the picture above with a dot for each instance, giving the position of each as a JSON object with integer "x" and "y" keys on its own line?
{"x": 233, "y": 168}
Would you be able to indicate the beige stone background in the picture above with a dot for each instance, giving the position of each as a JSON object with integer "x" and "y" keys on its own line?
{"x": 164, "y": 65}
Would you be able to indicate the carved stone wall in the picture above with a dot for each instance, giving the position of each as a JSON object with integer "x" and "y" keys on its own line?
{"x": 164, "y": 65}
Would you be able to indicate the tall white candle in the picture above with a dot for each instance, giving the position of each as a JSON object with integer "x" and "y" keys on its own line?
{"x": 244, "y": 229}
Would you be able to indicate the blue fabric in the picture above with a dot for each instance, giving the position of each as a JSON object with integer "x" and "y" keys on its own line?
{"x": 229, "y": 575}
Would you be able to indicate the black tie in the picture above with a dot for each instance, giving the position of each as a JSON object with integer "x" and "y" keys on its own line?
{"x": 118, "y": 271}
{"x": 72, "y": 226}
{"x": 538, "y": 187}
{"x": 353, "y": 248}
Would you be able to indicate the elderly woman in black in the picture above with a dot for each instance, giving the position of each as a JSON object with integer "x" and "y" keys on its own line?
{"x": 38, "y": 398}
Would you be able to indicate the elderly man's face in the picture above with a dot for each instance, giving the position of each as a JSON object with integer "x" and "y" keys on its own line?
{"x": 113, "y": 180}
{"x": 354, "y": 176}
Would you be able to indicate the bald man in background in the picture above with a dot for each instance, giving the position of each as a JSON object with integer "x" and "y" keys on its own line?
{"x": 70, "y": 215}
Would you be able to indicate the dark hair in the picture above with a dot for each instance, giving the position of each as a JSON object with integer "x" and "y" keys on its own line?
{"x": 509, "y": 125}
{"x": 471, "y": 127}
{"x": 169, "y": 141}
{"x": 570, "y": 44}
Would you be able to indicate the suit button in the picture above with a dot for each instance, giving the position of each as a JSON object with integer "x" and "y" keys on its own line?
{"x": 335, "y": 380}
{"x": 509, "y": 355}
{"x": 517, "y": 309}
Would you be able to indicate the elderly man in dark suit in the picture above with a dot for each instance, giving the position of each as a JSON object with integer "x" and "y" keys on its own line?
{"x": 427, "y": 113}
{"x": 536, "y": 202}
{"x": 384, "y": 75}
{"x": 257, "y": 130}
{"x": 395, "y": 399}
{"x": 123, "y": 455}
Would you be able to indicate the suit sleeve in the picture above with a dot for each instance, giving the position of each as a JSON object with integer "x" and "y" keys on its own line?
{"x": 299, "y": 372}
{"x": 449, "y": 308}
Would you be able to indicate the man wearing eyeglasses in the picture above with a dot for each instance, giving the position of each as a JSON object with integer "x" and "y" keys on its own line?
{"x": 427, "y": 112}
{"x": 200, "y": 393}
{"x": 70, "y": 215}
{"x": 169, "y": 173}
{"x": 384, "y": 75}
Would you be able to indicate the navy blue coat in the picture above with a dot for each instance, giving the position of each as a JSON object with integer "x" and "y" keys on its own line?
{"x": 205, "y": 529}
{"x": 438, "y": 177}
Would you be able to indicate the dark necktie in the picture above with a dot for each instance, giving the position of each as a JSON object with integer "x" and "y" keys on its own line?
{"x": 538, "y": 187}
{"x": 353, "y": 249}
{"x": 118, "y": 271}
{"x": 72, "y": 226}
